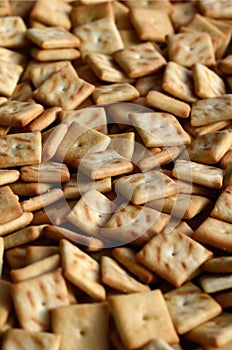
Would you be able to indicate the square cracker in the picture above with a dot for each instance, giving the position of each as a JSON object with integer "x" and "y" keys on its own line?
{"x": 189, "y": 48}
{"x": 157, "y": 26}
{"x": 101, "y": 36}
{"x": 12, "y": 56}
{"x": 222, "y": 209}
{"x": 215, "y": 233}
{"x": 39, "y": 295}
{"x": 85, "y": 14}
{"x": 20, "y": 149}
{"x": 85, "y": 325}
{"x": 45, "y": 172}
{"x": 10, "y": 74}
{"x": 16, "y": 224}
{"x": 54, "y": 54}
{"x": 139, "y": 60}
{"x": 52, "y": 38}
{"x": 19, "y": 338}
{"x": 13, "y": 32}
{"x": 150, "y": 319}
{"x": 65, "y": 80}
{"x": 21, "y": 237}
{"x": 18, "y": 113}
{"x": 112, "y": 93}
{"x": 173, "y": 256}
{"x": 10, "y": 207}
{"x": 186, "y": 300}
{"x": 159, "y": 129}
{"x": 81, "y": 270}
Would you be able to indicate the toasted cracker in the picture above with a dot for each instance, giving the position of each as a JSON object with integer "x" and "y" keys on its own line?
{"x": 139, "y": 60}
{"x": 44, "y": 120}
{"x": 10, "y": 208}
{"x": 81, "y": 327}
{"x": 171, "y": 257}
{"x": 16, "y": 257}
{"x": 221, "y": 264}
{"x": 45, "y": 172}
{"x": 84, "y": 14}
{"x": 8, "y": 176}
{"x": 226, "y": 159}
{"x": 225, "y": 65}
{"x": 224, "y": 299}
{"x": 16, "y": 224}
{"x": 45, "y": 55}
{"x": 38, "y": 202}
{"x": 117, "y": 92}
{"x": 185, "y": 300}
{"x": 146, "y": 323}
{"x": 40, "y": 295}
{"x": 81, "y": 270}
{"x": 21, "y": 237}
{"x": 223, "y": 205}
{"x": 13, "y": 31}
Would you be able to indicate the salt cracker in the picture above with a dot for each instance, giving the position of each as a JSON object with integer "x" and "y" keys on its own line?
{"x": 18, "y": 338}
{"x": 143, "y": 187}
{"x": 212, "y": 283}
{"x": 45, "y": 172}
{"x": 215, "y": 332}
{"x": 126, "y": 257}
{"x": 105, "y": 68}
{"x": 10, "y": 74}
{"x": 221, "y": 264}
{"x": 21, "y": 237}
{"x": 114, "y": 276}
{"x": 93, "y": 37}
{"x": 5, "y": 301}
{"x": 135, "y": 224}
{"x": 151, "y": 82}
{"x": 81, "y": 270}
{"x": 40, "y": 295}
{"x": 207, "y": 83}
{"x": 85, "y": 14}
{"x": 16, "y": 224}
{"x": 215, "y": 233}
{"x": 146, "y": 323}
{"x": 52, "y": 37}
{"x": 159, "y": 129}
{"x": 10, "y": 207}
{"x": 91, "y": 212}
{"x": 81, "y": 327}
{"x": 180, "y": 49}
{"x": 13, "y": 31}
{"x": 178, "y": 82}
{"x": 223, "y": 205}
{"x": 174, "y": 256}
{"x": 38, "y": 202}
{"x": 117, "y": 92}
{"x": 139, "y": 60}
{"x": 211, "y": 147}
{"x": 45, "y": 55}
{"x": 8, "y": 176}
{"x": 100, "y": 165}
{"x": 76, "y": 89}
{"x": 211, "y": 110}
{"x": 185, "y": 300}
{"x": 158, "y": 23}
{"x": 201, "y": 174}
{"x": 52, "y": 13}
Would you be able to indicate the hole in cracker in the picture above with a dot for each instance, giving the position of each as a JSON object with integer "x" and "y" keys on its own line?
{"x": 82, "y": 333}
{"x": 146, "y": 317}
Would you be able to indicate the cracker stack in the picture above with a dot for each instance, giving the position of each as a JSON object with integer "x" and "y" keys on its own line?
{"x": 116, "y": 175}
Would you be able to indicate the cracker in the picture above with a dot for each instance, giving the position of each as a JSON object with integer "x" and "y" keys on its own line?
{"x": 215, "y": 332}
{"x": 159, "y": 129}
{"x": 123, "y": 144}
{"x": 119, "y": 112}
{"x": 129, "y": 37}
{"x": 146, "y": 323}
{"x": 81, "y": 327}
{"x": 215, "y": 233}
{"x": 40, "y": 294}
{"x": 226, "y": 159}
{"x": 22, "y": 92}
{"x": 12, "y": 56}
{"x": 81, "y": 270}
{"x": 189, "y": 48}
{"x": 10, "y": 207}
{"x": 44, "y": 120}
{"x": 223, "y": 205}
{"x": 16, "y": 224}
{"x": 52, "y": 38}
{"x": 158, "y": 344}
{"x": 29, "y": 189}
{"x": 8, "y": 176}
{"x": 211, "y": 110}
{"x": 45, "y": 172}
{"x": 93, "y": 37}
{"x": 221, "y": 264}
{"x": 139, "y": 60}
{"x": 5, "y": 301}
{"x": 114, "y": 276}
{"x": 16, "y": 257}
{"x": 207, "y": 83}
{"x": 204, "y": 129}
{"x": 212, "y": 283}
{"x": 10, "y": 74}
{"x": 201, "y": 174}
{"x": 186, "y": 300}
{"x": 157, "y": 159}
{"x": 121, "y": 16}
{"x": 18, "y": 338}
{"x": 224, "y": 299}
{"x": 225, "y": 65}
{"x": 215, "y": 9}
{"x": 21, "y": 237}
{"x": 52, "y": 142}
{"x": 173, "y": 256}
{"x": 150, "y": 82}
{"x": 117, "y": 92}
{"x": 45, "y": 55}
{"x": 37, "y": 253}
{"x": 182, "y": 13}
{"x": 85, "y": 14}
{"x": 13, "y": 31}
{"x": 66, "y": 79}
{"x": 38, "y": 202}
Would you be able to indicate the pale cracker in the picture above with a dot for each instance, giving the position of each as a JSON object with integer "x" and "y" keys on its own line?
{"x": 178, "y": 82}
{"x": 150, "y": 4}
{"x": 211, "y": 110}
{"x": 37, "y": 253}
{"x": 40, "y": 294}
{"x": 44, "y": 120}
{"x": 52, "y": 37}
{"x": 16, "y": 224}
{"x": 17, "y": 338}
{"x": 223, "y": 205}
{"x": 212, "y": 283}
{"x": 13, "y": 30}
{"x": 186, "y": 300}
{"x": 159, "y": 129}
{"x": 52, "y": 141}
{"x": 123, "y": 144}
{"x": 225, "y": 33}
{"x": 45, "y": 172}
{"x": 157, "y": 159}
{"x": 146, "y": 323}
{"x": 10, "y": 74}
{"x": 207, "y": 83}
{"x": 81, "y": 327}
{"x": 81, "y": 270}
{"x": 215, "y": 233}
{"x": 216, "y": 9}
{"x": 205, "y": 129}
{"x": 38, "y": 202}
{"x": 45, "y": 55}
{"x": 117, "y": 92}
{"x": 101, "y": 36}
{"x": 10, "y": 208}
{"x": 85, "y": 14}
{"x": 5, "y": 301}
{"x": 173, "y": 256}
{"x": 221, "y": 264}
{"x": 5, "y": 9}
{"x": 21, "y": 237}
{"x": 8, "y": 176}
{"x": 158, "y": 344}
{"x": 201, "y": 174}
{"x": 114, "y": 276}
{"x": 150, "y": 82}
{"x": 12, "y": 56}
{"x": 66, "y": 79}
{"x": 140, "y": 60}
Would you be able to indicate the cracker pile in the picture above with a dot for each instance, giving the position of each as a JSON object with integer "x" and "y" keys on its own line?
{"x": 116, "y": 175}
